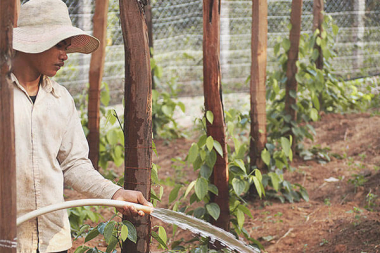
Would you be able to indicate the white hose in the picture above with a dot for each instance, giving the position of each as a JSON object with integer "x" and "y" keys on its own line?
{"x": 82, "y": 202}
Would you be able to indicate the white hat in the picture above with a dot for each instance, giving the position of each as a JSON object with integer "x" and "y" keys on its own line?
{"x": 44, "y": 23}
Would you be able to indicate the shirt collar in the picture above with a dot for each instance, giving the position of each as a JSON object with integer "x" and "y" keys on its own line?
{"x": 45, "y": 83}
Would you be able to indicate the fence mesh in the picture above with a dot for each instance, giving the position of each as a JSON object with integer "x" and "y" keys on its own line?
{"x": 177, "y": 35}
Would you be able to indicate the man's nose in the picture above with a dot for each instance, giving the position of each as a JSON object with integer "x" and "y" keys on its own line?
{"x": 63, "y": 55}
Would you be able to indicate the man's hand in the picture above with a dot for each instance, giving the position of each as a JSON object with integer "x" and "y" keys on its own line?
{"x": 131, "y": 196}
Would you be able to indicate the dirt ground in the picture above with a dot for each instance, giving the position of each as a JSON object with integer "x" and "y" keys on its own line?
{"x": 339, "y": 217}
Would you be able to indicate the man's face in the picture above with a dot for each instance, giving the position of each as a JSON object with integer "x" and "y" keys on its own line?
{"x": 51, "y": 60}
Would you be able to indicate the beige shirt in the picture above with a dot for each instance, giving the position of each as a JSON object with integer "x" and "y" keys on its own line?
{"x": 51, "y": 150}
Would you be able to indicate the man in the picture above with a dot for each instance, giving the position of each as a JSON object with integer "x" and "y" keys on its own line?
{"x": 51, "y": 148}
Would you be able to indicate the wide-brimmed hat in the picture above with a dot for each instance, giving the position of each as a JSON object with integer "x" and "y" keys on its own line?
{"x": 44, "y": 23}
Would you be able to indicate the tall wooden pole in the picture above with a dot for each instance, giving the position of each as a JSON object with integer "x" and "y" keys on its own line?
{"x": 8, "y": 229}
{"x": 214, "y": 103}
{"x": 291, "y": 71}
{"x": 318, "y": 6}
{"x": 137, "y": 114}
{"x": 258, "y": 79}
{"x": 96, "y": 75}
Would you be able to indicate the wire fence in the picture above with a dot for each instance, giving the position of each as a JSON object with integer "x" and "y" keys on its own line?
{"x": 178, "y": 35}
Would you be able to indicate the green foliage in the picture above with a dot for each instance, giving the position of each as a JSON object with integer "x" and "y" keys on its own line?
{"x": 202, "y": 156}
{"x": 371, "y": 201}
{"x": 318, "y": 89}
{"x": 357, "y": 180}
{"x": 164, "y": 105}
{"x": 77, "y": 216}
{"x": 111, "y": 136}
{"x": 357, "y": 213}
{"x": 316, "y": 153}
{"x": 114, "y": 234}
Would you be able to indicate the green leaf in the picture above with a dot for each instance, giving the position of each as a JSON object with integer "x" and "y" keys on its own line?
{"x": 241, "y": 165}
{"x": 275, "y": 180}
{"x": 258, "y": 186}
{"x": 112, "y": 244}
{"x": 265, "y": 156}
{"x": 245, "y": 210}
{"x": 132, "y": 233}
{"x": 205, "y": 171}
{"x": 258, "y": 175}
{"x": 318, "y": 41}
{"x": 191, "y": 185}
{"x": 104, "y": 97}
{"x": 159, "y": 239}
{"x": 202, "y": 141}
{"x": 212, "y": 188}
{"x": 240, "y": 218}
{"x": 108, "y": 230}
{"x": 202, "y": 154}
{"x": 210, "y": 116}
{"x": 112, "y": 137}
{"x": 209, "y": 143}
{"x": 214, "y": 210}
{"x": 162, "y": 234}
{"x": 315, "y": 54}
{"x": 193, "y": 153}
{"x": 182, "y": 106}
{"x": 293, "y": 93}
{"x": 168, "y": 111}
{"x": 81, "y": 249}
{"x": 174, "y": 193}
{"x": 335, "y": 29}
{"x": 199, "y": 212}
{"x": 111, "y": 117}
{"x": 304, "y": 194}
{"x": 314, "y": 114}
{"x": 101, "y": 227}
{"x": 218, "y": 148}
{"x": 277, "y": 48}
{"x": 238, "y": 185}
{"x": 286, "y": 44}
{"x": 211, "y": 159}
{"x": 285, "y": 144}
{"x": 93, "y": 233}
{"x": 315, "y": 102}
{"x": 201, "y": 188}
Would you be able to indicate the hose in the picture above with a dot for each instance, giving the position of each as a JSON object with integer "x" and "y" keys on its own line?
{"x": 82, "y": 202}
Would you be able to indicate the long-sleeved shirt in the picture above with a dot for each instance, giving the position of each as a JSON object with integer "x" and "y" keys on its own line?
{"x": 51, "y": 150}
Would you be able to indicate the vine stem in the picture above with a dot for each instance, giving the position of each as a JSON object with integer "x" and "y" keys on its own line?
{"x": 82, "y": 202}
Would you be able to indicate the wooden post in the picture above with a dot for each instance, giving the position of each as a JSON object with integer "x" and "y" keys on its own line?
{"x": 214, "y": 103}
{"x": 8, "y": 229}
{"x": 317, "y": 24}
{"x": 258, "y": 79}
{"x": 137, "y": 114}
{"x": 96, "y": 75}
{"x": 291, "y": 71}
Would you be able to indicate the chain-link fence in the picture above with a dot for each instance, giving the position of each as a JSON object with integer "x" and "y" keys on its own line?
{"x": 177, "y": 33}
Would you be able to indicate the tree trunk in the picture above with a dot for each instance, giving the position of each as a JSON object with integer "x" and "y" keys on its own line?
{"x": 8, "y": 229}
{"x": 291, "y": 71}
{"x": 96, "y": 76}
{"x": 214, "y": 103}
{"x": 258, "y": 79}
{"x": 317, "y": 24}
{"x": 137, "y": 115}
